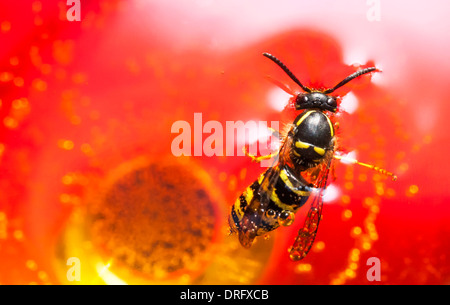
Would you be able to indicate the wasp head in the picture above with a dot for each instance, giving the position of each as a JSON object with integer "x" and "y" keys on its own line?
{"x": 316, "y": 100}
{"x": 312, "y": 98}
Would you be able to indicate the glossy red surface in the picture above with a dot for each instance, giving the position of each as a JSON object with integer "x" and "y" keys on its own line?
{"x": 80, "y": 100}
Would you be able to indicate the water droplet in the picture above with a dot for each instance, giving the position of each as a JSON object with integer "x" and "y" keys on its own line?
{"x": 286, "y": 218}
{"x": 271, "y": 213}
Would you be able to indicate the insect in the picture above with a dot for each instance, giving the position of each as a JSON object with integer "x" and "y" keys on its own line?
{"x": 304, "y": 160}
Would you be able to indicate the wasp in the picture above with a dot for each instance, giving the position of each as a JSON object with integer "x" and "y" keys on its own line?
{"x": 301, "y": 172}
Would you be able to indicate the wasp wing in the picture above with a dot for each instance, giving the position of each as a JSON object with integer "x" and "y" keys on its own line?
{"x": 307, "y": 234}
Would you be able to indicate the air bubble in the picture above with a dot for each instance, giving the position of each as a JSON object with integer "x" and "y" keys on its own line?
{"x": 286, "y": 218}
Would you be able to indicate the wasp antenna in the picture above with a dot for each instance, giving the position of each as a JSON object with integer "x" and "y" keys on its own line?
{"x": 287, "y": 71}
{"x": 351, "y": 77}
{"x": 370, "y": 166}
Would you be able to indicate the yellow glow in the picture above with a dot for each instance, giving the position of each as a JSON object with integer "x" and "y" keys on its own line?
{"x": 5, "y": 26}
{"x": 354, "y": 257}
{"x": 370, "y": 227}
{"x": 356, "y": 252}
{"x": 36, "y": 6}
{"x": 413, "y": 189}
{"x": 232, "y": 182}
{"x": 46, "y": 69}
{"x": 6, "y": 77}
{"x": 427, "y": 139}
{"x": 42, "y": 275}
{"x": 66, "y": 144}
{"x": 86, "y": 148}
{"x": 379, "y": 188}
{"x": 304, "y": 267}
{"x": 67, "y": 179}
{"x": 39, "y": 84}
{"x": 337, "y": 282}
{"x": 373, "y": 236}
{"x": 357, "y": 231}
{"x": 222, "y": 176}
{"x": 345, "y": 199}
{"x": 390, "y": 192}
{"x": 243, "y": 173}
{"x": 19, "y": 81}
{"x": 319, "y": 246}
{"x": 350, "y": 273}
{"x": 64, "y": 198}
{"x": 10, "y": 122}
{"x": 94, "y": 115}
{"x": 38, "y": 21}
{"x": 20, "y": 103}
{"x": 347, "y": 214}
{"x": 79, "y": 78}
{"x": 375, "y": 209}
{"x": 75, "y": 120}
{"x": 107, "y": 276}
{"x": 18, "y": 234}
{"x": 3, "y": 226}
{"x": 368, "y": 201}
{"x": 403, "y": 167}
{"x": 366, "y": 246}
{"x": 31, "y": 264}
{"x": 226, "y": 260}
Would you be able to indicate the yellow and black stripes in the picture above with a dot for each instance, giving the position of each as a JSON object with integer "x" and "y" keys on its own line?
{"x": 277, "y": 190}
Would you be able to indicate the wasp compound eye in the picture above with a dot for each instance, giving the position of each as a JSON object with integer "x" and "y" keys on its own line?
{"x": 331, "y": 101}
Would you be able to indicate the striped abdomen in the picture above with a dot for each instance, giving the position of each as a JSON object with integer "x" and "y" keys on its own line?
{"x": 266, "y": 203}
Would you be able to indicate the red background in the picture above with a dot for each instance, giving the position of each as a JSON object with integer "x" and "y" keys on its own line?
{"x": 85, "y": 97}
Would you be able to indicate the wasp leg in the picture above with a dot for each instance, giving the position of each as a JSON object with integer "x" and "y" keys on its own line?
{"x": 266, "y": 157}
{"x": 275, "y": 132}
{"x": 370, "y": 166}
{"x": 259, "y": 158}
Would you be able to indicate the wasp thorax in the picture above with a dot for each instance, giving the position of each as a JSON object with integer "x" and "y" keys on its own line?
{"x": 286, "y": 218}
{"x": 316, "y": 100}
{"x": 312, "y": 138}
